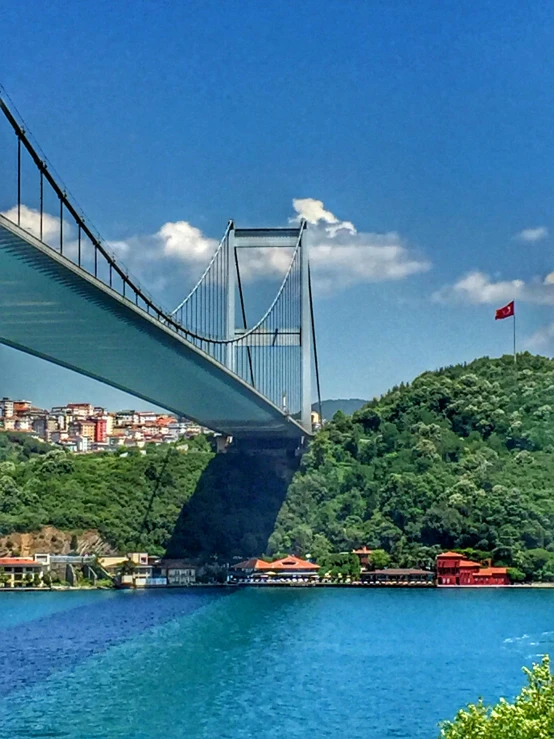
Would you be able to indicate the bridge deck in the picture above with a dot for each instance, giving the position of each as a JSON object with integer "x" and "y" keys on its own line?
{"x": 53, "y": 309}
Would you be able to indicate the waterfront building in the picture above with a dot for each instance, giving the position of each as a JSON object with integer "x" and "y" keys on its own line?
{"x": 454, "y": 569}
{"x": 177, "y": 572}
{"x": 19, "y": 569}
{"x": 363, "y": 555}
{"x": 287, "y": 568}
{"x": 398, "y": 576}
{"x": 132, "y": 570}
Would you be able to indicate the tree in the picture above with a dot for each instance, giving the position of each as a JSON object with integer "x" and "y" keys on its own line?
{"x": 530, "y": 716}
{"x": 516, "y": 575}
{"x": 128, "y": 568}
{"x": 4, "y": 578}
{"x": 379, "y": 559}
{"x": 28, "y": 579}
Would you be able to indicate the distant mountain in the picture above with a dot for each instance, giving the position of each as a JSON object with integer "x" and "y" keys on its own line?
{"x": 346, "y": 405}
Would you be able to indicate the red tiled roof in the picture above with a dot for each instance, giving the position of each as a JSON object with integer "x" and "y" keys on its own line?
{"x": 287, "y": 563}
{"x": 363, "y": 550}
{"x": 292, "y": 563}
{"x": 451, "y": 555}
{"x": 18, "y": 562}
{"x": 468, "y": 563}
{"x": 489, "y": 571}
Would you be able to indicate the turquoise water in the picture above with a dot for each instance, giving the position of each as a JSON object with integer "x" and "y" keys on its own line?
{"x": 261, "y": 663}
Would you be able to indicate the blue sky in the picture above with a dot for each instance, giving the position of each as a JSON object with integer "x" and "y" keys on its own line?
{"x": 425, "y": 127}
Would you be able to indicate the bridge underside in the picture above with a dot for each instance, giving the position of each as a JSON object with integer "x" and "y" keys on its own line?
{"x": 53, "y": 309}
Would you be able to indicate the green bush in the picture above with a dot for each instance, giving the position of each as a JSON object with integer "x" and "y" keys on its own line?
{"x": 529, "y": 716}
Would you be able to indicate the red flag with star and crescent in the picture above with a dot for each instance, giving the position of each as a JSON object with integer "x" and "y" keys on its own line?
{"x": 506, "y": 312}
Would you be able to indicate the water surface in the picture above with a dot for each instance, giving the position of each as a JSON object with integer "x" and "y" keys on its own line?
{"x": 333, "y": 663}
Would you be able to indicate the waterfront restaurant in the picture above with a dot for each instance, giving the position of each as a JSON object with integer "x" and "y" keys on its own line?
{"x": 287, "y": 569}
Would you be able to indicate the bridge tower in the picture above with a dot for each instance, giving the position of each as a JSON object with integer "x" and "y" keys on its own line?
{"x": 274, "y": 238}
{"x": 276, "y": 353}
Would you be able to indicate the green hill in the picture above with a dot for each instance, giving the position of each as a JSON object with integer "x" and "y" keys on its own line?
{"x": 460, "y": 458}
{"x": 133, "y": 500}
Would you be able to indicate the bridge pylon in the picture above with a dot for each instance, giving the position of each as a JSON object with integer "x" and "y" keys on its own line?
{"x": 274, "y": 354}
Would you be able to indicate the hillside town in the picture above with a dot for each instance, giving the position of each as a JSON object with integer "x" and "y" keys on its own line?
{"x": 84, "y": 428}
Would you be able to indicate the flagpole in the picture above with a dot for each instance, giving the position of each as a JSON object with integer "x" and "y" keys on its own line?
{"x": 515, "y": 355}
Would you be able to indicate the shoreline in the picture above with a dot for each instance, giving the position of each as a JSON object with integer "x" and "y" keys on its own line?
{"x": 236, "y": 586}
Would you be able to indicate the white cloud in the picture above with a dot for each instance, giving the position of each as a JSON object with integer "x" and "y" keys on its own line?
{"x": 175, "y": 255}
{"x": 478, "y": 288}
{"x": 186, "y": 242}
{"x": 260, "y": 263}
{"x": 341, "y": 256}
{"x": 30, "y": 221}
{"x": 532, "y": 234}
{"x": 314, "y": 213}
{"x": 541, "y": 339}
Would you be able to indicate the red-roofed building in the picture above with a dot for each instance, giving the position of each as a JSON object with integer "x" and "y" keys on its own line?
{"x": 363, "y": 555}
{"x": 454, "y": 569}
{"x": 258, "y": 570}
{"x": 17, "y": 570}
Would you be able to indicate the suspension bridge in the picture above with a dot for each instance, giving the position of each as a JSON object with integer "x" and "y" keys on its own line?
{"x": 64, "y": 297}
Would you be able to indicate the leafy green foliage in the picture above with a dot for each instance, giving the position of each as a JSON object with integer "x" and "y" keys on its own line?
{"x": 379, "y": 559}
{"x": 462, "y": 458}
{"x": 132, "y": 499}
{"x": 530, "y": 716}
{"x": 340, "y": 566}
{"x": 16, "y": 446}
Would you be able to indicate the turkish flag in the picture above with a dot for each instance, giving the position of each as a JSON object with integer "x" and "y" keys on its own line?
{"x": 506, "y": 312}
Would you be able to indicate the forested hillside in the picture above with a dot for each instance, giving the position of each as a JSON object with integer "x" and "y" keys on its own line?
{"x": 461, "y": 458}
{"x": 133, "y": 500}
